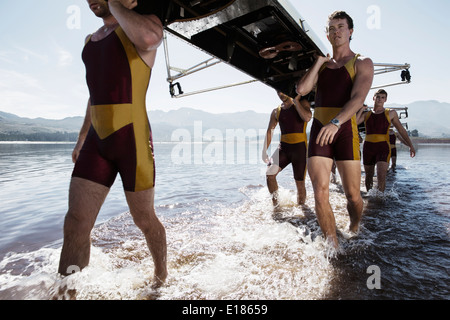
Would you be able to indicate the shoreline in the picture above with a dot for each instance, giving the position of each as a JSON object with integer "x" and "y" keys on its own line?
{"x": 420, "y": 140}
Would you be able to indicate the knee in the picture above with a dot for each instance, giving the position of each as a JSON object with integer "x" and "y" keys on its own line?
{"x": 273, "y": 170}
{"x": 271, "y": 178}
{"x": 142, "y": 223}
{"x": 321, "y": 193}
{"x": 151, "y": 228}
{"x": 76, "y": 226}
{"x": 354, "y": 197}
{"x": 147, "y": 222}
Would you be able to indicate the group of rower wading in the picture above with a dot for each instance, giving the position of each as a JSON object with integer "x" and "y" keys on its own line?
{"x": 116, "y": 135}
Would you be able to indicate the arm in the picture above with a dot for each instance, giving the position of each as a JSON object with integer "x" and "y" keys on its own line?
{"x": 399, "y": 137}
{"x": 83, "y": 133}
{"x": 303, "y": 108}
{"x": 309, "y": 80}
{"x": 402, "y": 131}
{"x": 361, "y": 87}
{"x": 360, "y": 115}
{"x": 268, "y": 140}
{"x": 144, "y": 31}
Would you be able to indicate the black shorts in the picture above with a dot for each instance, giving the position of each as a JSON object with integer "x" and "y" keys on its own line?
{"x": 292, "y": 153}
{"x": 374, "y": 152}
{"x": 100, "y": 160}
{"x": 345, "y": 145}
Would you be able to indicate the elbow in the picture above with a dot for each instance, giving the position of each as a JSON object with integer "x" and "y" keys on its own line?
{"x": 307, "y": 117}
{"x": 300, "y": 89}
{"x": 152, "y": 40}
{"x": 153, "y": 35}
{"x": 303, "y": 86}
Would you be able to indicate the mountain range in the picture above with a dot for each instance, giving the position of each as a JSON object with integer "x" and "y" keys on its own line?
{"x": 430, "y": 118}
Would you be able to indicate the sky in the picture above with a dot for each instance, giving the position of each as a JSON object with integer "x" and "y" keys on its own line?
{"x": 42, "y": 75}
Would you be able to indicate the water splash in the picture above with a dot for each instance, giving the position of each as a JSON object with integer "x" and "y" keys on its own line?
{"x": 215, "y": 252}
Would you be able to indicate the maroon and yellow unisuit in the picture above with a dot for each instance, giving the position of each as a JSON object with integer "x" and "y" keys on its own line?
{"x": 293, "y": 144}
{"x": 334, "y": 88}
{"x": 120, "y": 138}
{"x": 377, "y": 146}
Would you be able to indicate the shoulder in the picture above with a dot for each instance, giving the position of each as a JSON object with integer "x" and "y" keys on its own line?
{"x": 88, "y": 37}
{"x": 364, "y": 63}
{"x": 274, "y": 112}
{"x": 393, "y": 114}
{"x": 364, "y": 69}
{"x": 391, "y": 111}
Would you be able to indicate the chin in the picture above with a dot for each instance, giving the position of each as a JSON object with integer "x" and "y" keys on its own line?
{"x": 101, "y": 12}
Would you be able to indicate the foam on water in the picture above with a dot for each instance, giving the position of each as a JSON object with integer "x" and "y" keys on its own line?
{"x": 214, "y": 252}
{"x": 247, "y": 250}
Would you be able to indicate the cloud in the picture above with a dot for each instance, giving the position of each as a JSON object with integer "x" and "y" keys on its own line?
{"x": 4, "y": 57}
{"x": 30, "y": 96}
{"x": 29, "y": 55}
{"x": 65, "y": 58}
{"x": 20, "y": 92}
{"x": 12, "y": 80}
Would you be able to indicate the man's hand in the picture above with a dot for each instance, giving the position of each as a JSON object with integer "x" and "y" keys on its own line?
{"x": 321, "y": 59}
{"x": 265, "y": 157}
{"x": 76, "y": 151}
{"x": 327, "y": 134}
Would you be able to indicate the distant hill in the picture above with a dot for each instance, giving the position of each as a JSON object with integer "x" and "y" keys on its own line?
{"x": 14, "y": 128}
{"x": 163, "y": 124}
{"x": 430, "y": 118}
{"x": 10, "y": 122}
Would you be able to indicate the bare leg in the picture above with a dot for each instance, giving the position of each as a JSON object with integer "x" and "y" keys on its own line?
{"x": 319, "y": 169}
{"x": 143, "y": 212}
{"x": 272, "y": 184}
{"x": 370, "y": 171}
{"x": 382, "y": 168}
{"x": 85, "y": 201}
{"x": 350, "y": 172}
{"x": 394, "y": 163}
{"x": 333, "y": 173}
{"x": 301, "y": 192}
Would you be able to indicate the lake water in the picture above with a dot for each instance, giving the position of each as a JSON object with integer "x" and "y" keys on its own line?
{"x": 224, "y": 240}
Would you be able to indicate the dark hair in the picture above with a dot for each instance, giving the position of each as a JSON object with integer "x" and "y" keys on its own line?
{"x": 381, "y": 91}
{"x": 342, "y": 15}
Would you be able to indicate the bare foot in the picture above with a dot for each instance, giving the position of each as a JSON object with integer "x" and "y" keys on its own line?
{"x": 158, "y": 281}
{"x": 354, "y": 226}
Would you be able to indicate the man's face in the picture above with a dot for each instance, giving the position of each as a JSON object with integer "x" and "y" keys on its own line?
{"x": 380, "y": 99}
{"x": 338, "y": 32}
{"x": 99, "y": 7}
{"x": 283, "y": 97}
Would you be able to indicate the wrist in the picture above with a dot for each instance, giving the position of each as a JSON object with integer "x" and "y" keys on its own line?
{"x": 336, "y": 122}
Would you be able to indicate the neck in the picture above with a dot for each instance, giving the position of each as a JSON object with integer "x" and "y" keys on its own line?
{"x": 342, "y": 52}
{"x": 109, "y": 21}
{"x": 288, "y": 103}
{"x": 378, "y": 109}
